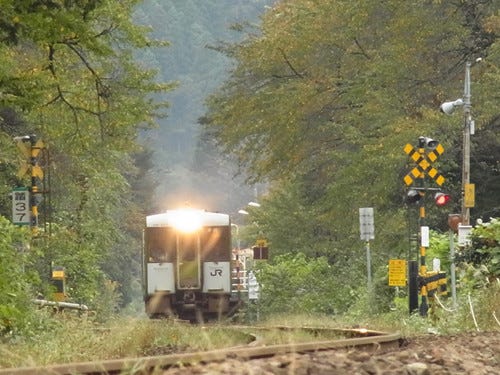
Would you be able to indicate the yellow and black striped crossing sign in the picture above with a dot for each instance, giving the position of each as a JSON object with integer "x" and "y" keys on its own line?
{"x": 424, "y": 164}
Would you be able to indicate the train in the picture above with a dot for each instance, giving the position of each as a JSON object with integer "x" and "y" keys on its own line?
{"x": 188, "y": 265}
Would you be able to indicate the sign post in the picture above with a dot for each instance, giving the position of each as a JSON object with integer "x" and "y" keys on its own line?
{"x": 367, "y": 233}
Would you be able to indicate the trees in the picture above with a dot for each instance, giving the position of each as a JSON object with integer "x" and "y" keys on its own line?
{"x": 68, "y": 75}
{"x": 323, "y": 100}
{"x": 295, "y": 283}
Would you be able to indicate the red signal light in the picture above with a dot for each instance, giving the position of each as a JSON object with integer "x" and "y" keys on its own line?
{"x": 441, "y": 199}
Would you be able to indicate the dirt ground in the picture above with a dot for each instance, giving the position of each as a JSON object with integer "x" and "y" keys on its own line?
{"x": 474, "y": 354}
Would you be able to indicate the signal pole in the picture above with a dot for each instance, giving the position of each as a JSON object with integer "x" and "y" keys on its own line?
{"x": 421, "y": 221}
{"x": 34, "y": 187}
{"x": 424, "y": 236}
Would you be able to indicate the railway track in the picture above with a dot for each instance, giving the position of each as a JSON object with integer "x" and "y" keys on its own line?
{"x": 366, "y": 340}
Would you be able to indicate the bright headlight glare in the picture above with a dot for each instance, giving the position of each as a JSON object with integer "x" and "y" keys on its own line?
{"x": 186, "y": 221}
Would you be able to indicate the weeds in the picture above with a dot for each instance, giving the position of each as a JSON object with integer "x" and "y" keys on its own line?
{"x": 70, "y": 338}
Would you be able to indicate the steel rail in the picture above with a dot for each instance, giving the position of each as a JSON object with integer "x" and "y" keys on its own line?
{"x": 360, "y": 338}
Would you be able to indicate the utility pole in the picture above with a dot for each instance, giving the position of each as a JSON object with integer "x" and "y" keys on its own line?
{"x": 466, "y": 151}
{"x": 448, "y": 108}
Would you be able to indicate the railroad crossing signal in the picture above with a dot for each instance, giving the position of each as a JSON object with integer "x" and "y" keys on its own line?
{"x": 423, "y": 160}
{"x": 30, "y": 152}
{"x": 424, "y": 164}
{"x": 30, "y": 147}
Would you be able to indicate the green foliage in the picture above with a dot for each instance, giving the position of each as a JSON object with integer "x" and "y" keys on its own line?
{"x": 439, "y": 247}
{"x": 107, "y": 302}
{"x": 295, "y": 282}
{"x": 69, "y": 75}
{"x": 485, "y": 248}
{"x": 478, "y": 263}
{"x": 15, "y": 307}
{"x": 312, "y": 237}
{"x": 322, "y": 101}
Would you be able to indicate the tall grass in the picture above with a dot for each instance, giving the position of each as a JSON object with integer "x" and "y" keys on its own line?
{"x": 74, "y": 339}
{"x": 70, "y": 338}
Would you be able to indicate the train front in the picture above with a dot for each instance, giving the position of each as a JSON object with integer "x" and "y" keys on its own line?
{"x": 187, "y": 264}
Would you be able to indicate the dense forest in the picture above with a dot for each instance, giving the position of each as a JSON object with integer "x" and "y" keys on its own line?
{"x": 69, "y": 80}
{"x": 321, "y": 104}
{"x": 139, "y": 104}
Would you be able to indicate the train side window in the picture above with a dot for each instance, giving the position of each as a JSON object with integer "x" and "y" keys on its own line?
{"x": 216, "y": 243}
{"x": 160, "y": 244}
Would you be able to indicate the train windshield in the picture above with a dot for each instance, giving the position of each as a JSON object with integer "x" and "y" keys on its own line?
{"x": 216, "y": 243}
{"x": 160, "y": 244}
{"x": 188, "y": 246}
{"x": 188, "y": 260}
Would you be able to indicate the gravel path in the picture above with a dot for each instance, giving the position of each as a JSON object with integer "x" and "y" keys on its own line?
{"x": 472, "y": 354}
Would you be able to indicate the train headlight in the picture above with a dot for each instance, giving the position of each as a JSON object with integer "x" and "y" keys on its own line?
{"x": 186, "y": 220}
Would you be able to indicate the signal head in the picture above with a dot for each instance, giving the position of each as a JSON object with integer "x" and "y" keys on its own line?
{"x": 427, "y": 142}
{"x": 413, "y": 196}
{"x": 431, "y": 143}
{"x": 441, "y": 199}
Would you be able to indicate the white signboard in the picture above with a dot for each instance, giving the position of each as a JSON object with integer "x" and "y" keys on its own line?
{"x": 21, "y": 213}
{"x": 366, "y": 225}
{"x": 464, "y": 235}
{"x": 436, "y": 264}
{"x": 424, "y": 236}
{"x": 253, "y": 286}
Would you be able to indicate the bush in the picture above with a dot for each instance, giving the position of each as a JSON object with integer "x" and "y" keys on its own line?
{"x": 294, "y": 282}
{"x": 15, "y": 305}
{"x": 485, "y": 249}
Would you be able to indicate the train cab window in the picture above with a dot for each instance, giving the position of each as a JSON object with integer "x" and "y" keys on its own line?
{"x": 216, "y": 243}
{"x": 160, "y": 244}
{"x": 188, "y": 246}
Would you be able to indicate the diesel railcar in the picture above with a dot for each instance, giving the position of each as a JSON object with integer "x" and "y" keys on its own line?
{"x": 187, "y": 268}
